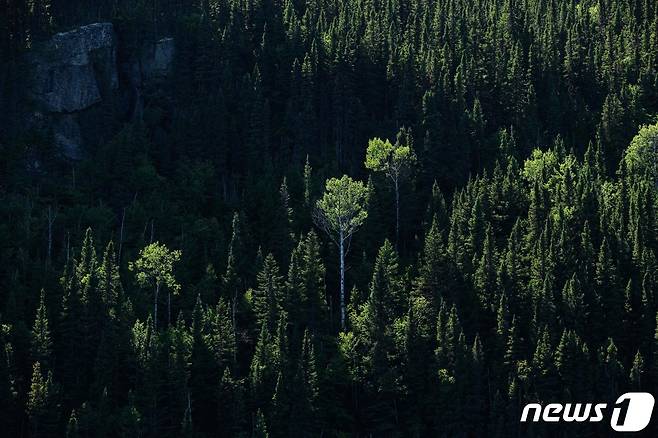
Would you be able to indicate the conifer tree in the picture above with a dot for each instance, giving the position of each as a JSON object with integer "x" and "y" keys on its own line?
{"x": 543, "y": 365}
{"x": 72, "y": 429}
{"x": 525, "y": 273}
{"x": 435, "y": 276}
{"x": 204, "y": 372}
{"x": 109, "y": 281}
{"x": 42, "y": 403}
{"x": 573, "y": 299}
{"x": 268, "y": 295}
{"x": 608, "y": 288}
{"x": 314, "y": 300}
{"x": 260, "y": 427}
{"x": 230, "y": 409}
{"x": 42, "y": 344}
{"x": 637, "y": 372}
{"x": 262, "y": 372}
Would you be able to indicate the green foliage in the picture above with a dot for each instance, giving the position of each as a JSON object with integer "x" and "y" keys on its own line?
{"x": 267, "y": 298}
{"x": 641, "y": 157}
{"x": 154, "y": 268}
{"x": 42, "y": 344}
{"x": 155, "y": 265}
{"x": 523, "y": 266}
{"x": 392, "y": 160}
{"x": 42, "y": 403}
{"x": 341, "y": 210}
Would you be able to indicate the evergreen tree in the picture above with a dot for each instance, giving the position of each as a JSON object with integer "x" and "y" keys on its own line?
{"x": 268, "y": 295}
{"x": 43, "y": 404}
{"x": 42, "y": 344}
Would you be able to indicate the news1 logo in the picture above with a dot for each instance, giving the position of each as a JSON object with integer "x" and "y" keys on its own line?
{"x": 631, "y": 412}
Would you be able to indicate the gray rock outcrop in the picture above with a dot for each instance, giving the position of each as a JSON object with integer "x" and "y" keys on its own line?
{"x": 75, "y": 70}
{"x": 157, "y": 59}
{"x": 69, "y": 70}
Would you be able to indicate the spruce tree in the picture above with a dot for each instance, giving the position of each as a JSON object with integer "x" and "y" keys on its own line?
{"x": 43, "y": 403}
{"x": 268, "y": 295}
{"x": 42, "y": 344}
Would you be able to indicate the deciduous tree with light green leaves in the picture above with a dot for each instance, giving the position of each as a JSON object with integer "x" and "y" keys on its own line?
{"x": 340, "y": 213}
{"x": 395, "y": 161}
{"x": 642, "y": 154}
{"x": 154, "y": 268}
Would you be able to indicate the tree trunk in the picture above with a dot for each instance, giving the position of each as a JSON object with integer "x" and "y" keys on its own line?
{"x": 342, "y": 281}
{"x": 51, "y": 220}
{"x": 397, "y": 213}
{"x": 123, "y": 219}
{"x": 235, "y": 334}
{"x": 168, "y": 307}
{"x": 155, "y": 310}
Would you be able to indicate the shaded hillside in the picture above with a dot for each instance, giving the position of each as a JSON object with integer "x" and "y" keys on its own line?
{"x": 195, "y": 160}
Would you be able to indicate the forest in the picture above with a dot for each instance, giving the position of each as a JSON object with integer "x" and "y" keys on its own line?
{"x": 368, "y": 218}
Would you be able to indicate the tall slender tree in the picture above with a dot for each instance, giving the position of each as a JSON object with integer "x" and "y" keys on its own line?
{"x": 340, "y": 213}
{"x": 394, "y": 160}
{"x": 154, "y": 268}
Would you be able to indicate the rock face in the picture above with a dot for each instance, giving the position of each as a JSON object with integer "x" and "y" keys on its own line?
{"x": 70, "y": 69}
{"x": 66, "y": 132}
{"x": 75, "y": 70}
{"x": 156, "y": 60}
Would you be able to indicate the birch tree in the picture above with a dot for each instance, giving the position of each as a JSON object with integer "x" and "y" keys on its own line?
{"x": 394, "y": 160}
{"x": 340, "y": 213}
{"x": 154, "y": 268}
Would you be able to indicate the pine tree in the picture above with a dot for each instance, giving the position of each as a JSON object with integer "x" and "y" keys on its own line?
{"x": 85, "y": 268}
{"x": 543, "y": 365}
{"x": 42, "y": 403}
{"x": 268, "y": 295}
{"x": 632, "y": 317}
{"x": 608, "y": 288}
{"x": 515, "y": 348}
{"x": 281, "y": 236}
{"x": 71, "y": 339}
{"x": 574, "y": 302}
{"x": 234, "y": 280}
{"x": 72, "y": 428}
{"x": 260, "y": 428}
{"x": 109, "y": 281}
{"x": 231, "y": 408}
{"x": 437, "y": 209}
{"x": 221, "y": 337}
{"x": 314, "y": 299}
{"x": 435, "y": 273}
{"x": 7, "y": 392}
{"x": 387, "y": 298}
{"x": 262, "y": 372}
{"x": 42, "y": 344}
{"x": 637, "y": 372}
{"x": 545, "y": 310}
{"x": 613, "y": 370}
{"x": 485, "y": 276}
{"x": 204, "y": 373}
{"x": 475, "y": 401}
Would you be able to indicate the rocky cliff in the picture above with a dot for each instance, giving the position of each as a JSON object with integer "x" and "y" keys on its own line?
{"x": 75, "y": 70}
{"x": 69, "y": 69}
